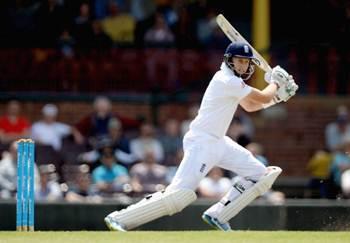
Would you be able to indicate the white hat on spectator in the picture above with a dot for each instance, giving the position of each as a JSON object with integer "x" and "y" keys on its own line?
{"x": 49, "y": 110}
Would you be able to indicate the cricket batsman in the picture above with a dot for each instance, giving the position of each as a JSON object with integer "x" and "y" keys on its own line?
{"x": 206, "y": 145}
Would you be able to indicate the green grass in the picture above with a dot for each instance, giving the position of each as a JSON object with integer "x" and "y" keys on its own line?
{"x": 175, "y": 237}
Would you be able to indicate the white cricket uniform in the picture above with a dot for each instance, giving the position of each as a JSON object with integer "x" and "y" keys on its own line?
{"x": 205, "y": 144}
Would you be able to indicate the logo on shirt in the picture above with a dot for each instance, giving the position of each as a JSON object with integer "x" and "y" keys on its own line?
{"x": 202, "y": 168}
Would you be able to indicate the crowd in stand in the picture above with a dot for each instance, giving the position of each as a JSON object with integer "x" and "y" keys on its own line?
{"x": 111, "y": 23}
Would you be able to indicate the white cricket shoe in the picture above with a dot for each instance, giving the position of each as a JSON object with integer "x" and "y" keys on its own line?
{"x": 215, "y": 223}
{"x": 113, "y": 224}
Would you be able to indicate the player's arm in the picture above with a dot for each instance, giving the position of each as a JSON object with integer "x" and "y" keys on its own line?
{"x": 256, "y": 99}
{"x": 281, "y": 88}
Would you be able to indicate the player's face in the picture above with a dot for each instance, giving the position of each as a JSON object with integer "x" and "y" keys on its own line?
{"x": 241, "y": 64}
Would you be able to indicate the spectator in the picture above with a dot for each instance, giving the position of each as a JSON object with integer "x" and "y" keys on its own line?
{"x": 148, "y": 176}
{"x": 171, "y": 141}
{"x": 49, "y": 189}
{"x": 159, "y": 35}
{"x": 147, "y": 142}
{"x": 95, "y": 125}
{"x": 214, "y": 185}
{"x": 110, "y": 177}
{"x": 13, "y": 126}
{"x": 50, "y": 132}
{"x": 119, "y": 26}
{"x": 8, "y": 172}
{"x": 337, "y": 130}
{"x": 319, "y": 169}
{"x": 82, "y": 191}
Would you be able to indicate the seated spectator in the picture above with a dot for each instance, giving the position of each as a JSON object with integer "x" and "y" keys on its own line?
{"x": 159, "y": 35}
{"x": 8, "y": 172}
{"x": 50, "y": 132}
{"x": 119, "y": 26}
{"x": 13, "y": 125}
{"x": 146, "y": 141}
{"x": 49, "y": 189}
{"x": 336, "y": 131}
{"x": 171, "y": 141}
{"x": 82, "y": 190}
{"x": 214, "y": 185}
{"x": 110, "y": 177}
{"x": 95, "y": 125}
{"x": 319, "y": 169}
{"x": 148, "y": 176}
{"x": 340, "y": 163}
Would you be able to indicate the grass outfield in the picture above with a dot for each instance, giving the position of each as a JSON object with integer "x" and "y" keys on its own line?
{"x": 175, "y": 237}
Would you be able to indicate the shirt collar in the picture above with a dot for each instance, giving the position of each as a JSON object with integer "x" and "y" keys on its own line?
{"x": 226, "y": 69}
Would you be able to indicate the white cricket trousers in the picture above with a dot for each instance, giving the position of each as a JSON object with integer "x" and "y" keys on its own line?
{"x": 202, "y": 152}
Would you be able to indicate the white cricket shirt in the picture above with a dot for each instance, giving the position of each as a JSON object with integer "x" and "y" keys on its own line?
{"x": 219, "y": 103}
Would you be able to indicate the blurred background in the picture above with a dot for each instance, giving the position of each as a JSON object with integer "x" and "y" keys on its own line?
{"x": 107, "y": 89}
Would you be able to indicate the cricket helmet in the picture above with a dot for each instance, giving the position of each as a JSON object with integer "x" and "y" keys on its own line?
{"x": 239, "y": 49}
